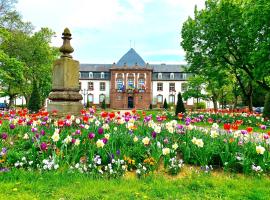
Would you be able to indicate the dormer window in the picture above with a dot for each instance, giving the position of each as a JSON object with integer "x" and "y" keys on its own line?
{"x": 102, "y": 75}
{"x": 184, "y": 76}
{"x": 159, "y": 75}
{"x": 90, "y": 74}
{"x": 171, "y": 75}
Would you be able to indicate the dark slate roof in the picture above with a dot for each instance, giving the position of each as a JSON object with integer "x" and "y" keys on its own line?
{"x": 167, "y": 68}
{"x": 95, "y": 67}
{"x": 131, "y": 58}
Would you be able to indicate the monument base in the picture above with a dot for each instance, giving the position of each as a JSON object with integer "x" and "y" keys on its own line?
{"x": 64, "y": 108}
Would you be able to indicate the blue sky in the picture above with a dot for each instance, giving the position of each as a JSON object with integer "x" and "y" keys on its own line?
{"x": 102, "y": 29}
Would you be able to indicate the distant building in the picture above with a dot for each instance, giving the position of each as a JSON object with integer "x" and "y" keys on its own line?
{"x": 132, "y": 83}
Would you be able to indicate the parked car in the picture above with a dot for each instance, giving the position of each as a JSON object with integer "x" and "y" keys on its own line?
{"x": 3, "y": 106}
{"x": 259, "y": 109}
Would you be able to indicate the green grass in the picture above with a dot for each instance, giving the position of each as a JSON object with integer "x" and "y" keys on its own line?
{"x": 54, "y": 185}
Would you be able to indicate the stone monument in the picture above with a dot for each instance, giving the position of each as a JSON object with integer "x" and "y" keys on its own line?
{"x": 65, "y": 97}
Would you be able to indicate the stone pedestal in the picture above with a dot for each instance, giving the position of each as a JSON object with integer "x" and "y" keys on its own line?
{"x": 65, "y": 97}
{"x": 65, "y": 94}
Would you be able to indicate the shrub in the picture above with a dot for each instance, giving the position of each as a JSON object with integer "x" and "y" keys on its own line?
{"x": 200, "y": 105}
{"x": 103, "y": 105}
{"x": 34, "y": 103}
{"x": 180, "y": 108}
{"x": 266, "y": 110}
{"x": 165, "y": 105}
{"x": 150, "y": 106}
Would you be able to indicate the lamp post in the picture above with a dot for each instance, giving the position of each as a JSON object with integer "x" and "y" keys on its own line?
{"x": 84, "y": 92}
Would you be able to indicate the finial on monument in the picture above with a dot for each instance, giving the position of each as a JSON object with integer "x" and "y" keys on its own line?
{"x": 66, "y": 48}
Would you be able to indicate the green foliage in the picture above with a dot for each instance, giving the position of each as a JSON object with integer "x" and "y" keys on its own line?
{"x": 165, "y": 104}
{"x": 103, "y": 104}
{"x": 200, "y": 105}
{"x": 266, "y": 110}
{"x": 180, "y": 108}
{"x": 34, "y": 103}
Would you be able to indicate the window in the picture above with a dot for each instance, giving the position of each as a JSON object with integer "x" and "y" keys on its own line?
{"x": 141, "y": 84}
{"x": 119, "y": 83}
{"x": 159, "y": 75}
{"x": 184, "y": 87}
{"x": 172, "y": 87}
{"x": 102, "y": 75}
{"x": 160, "y": 87}
{"x": 80, "y": 85}
{"x": 131, "y": 83}
{"x": 184, "y": 76}
{"x": 102, "y": 86}
{"x": 90, "y": 85}
{"x": 91, "y": 75}
{"x": 171, "y": 75}
{"x": 84, "y": 75}
{"x": 172, "y": 99}
{"x": 90, "y": 98}
{"x": 159, "y": 98}
{"x": 101, "y": 98}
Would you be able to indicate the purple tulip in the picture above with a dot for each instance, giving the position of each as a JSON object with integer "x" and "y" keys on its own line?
{"x": 11, "y": 126}
{"x": 78, "y": 132}
{"x": 37, "y": 135}
{"x": 43, "y": 146}
{"x": 91, "y": 136}
{"x": 4, "y": 136}
{"x": 118, "y": 152}
{"x": 266, "y": 136}
{"x": 42, "y": 132}
{"x": 263, "y": 127}
{"x": 244, "y": 132}
{"x": 34, "y": 129}
{"x": 100, "y": 131}
{"x": 73, "y": 141}
{"x": 166, "y": 140}
{"x": 105, "y": 140}
{"x": 154, "y": 134}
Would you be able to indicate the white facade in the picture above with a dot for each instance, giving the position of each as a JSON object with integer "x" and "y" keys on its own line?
{"x": 94, "y": 96}
{"x": 171, "y": 96}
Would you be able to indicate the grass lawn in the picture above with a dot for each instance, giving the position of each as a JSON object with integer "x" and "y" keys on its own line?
{"x": 54, "y": 185}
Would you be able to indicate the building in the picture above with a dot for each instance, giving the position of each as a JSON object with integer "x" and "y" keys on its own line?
{"x": 132, "y": 83}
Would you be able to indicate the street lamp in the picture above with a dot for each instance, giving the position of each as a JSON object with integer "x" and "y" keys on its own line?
{"x": 84, "y": 92}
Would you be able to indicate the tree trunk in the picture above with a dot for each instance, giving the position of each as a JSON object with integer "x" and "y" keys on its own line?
{"x": 214, "y": 99}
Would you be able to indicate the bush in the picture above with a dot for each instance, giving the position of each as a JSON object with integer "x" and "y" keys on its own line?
{"x": 180, "y": 108}
{"x": 150, "y": 106}
{"x": 200, "y": 105}
{"x": 266, "y": 110}
{"x": 103, "y": 105}
{"x": 34, "y": 103}
{"x": 165, "y": 105}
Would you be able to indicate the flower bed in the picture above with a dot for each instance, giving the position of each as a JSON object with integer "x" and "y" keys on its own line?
{"x": 109, "y": 144}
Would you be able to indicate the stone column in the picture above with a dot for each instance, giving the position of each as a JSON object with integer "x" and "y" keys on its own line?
{"x": 65, "y": 97}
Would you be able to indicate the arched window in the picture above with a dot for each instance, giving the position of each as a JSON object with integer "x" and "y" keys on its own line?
{"x": 172, "y": 99}
{"x": 159, "y": 75}
{"x": 119, "y": 83}
{"x": 171, "y": 75}
{"x": 101, "y": 98}
{"x": 91, "y": 75}
{"x": 90, "y": 98}
{"x": 159, "y": 98}
{"x": 130, "y": 83}
{"x": 141, "y": 83}
{"x": 102, "y": 75}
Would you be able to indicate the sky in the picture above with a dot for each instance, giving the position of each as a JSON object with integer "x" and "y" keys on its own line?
{"x": 104, "y": 30}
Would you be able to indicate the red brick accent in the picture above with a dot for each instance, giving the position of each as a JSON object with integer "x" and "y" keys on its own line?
{"x": 119, "y": 100}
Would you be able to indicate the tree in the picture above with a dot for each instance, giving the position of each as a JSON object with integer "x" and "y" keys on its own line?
{"x": 34, "y": 104}
{"x": 230, "y": 35}
{"x": 165, "y": 104}
{"x": 266, "y": 110}
{"x": 180, "y": 108}
{"x": 195, "y": 86}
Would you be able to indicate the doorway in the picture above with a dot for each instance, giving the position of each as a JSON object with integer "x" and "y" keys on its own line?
{"x": 130, "y": 102}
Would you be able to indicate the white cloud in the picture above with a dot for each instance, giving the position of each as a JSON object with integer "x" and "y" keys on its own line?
{"x": 101, "y": 29}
